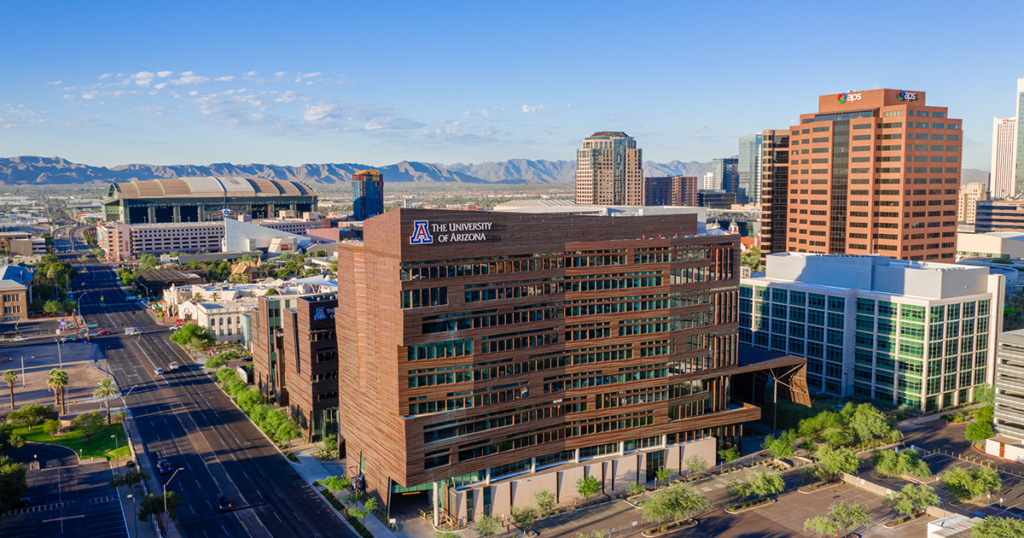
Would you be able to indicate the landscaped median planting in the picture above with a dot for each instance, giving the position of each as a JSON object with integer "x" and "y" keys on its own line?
{"x": 819, "y": 485}
{"x": 760, "y": 485}
{"x": 669, "y": 529}
{"x": 674, "y": 508}
{"x": 749, "y": 506}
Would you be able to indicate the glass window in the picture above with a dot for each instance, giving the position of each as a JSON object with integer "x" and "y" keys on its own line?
{"x": 835, "y": 321}
{"x": 865, "y": 323}
{"x": 835, "y": 338}
{"x": 816, "y": 301}
{"x": 935, "y": 332}
{"x": 953, "y": 311}
{"x": 816, "y": 317}
{"x": 797, "y": 314}
{"x": 816, "y": 334}
{"x": 969, "y": 309}
{"x": 886, "y": 309}
{"x": 938, "y": 313}
{"x": 912, "y": 330}
{"x": 983, "y": 307}
{"x": 865, "y": 306}
{"x": 797, "y": 298}
{"x": 779, "y": 295}
{"x": 912, "y": 312}
{"x": 836, "y": 304}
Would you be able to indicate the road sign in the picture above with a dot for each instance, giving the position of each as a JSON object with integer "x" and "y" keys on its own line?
{"x": 101, "y": 298}
{"x": 92, "y": 326}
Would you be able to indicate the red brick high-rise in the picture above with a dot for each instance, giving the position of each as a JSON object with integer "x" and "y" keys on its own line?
{"x": 871, "y": 172}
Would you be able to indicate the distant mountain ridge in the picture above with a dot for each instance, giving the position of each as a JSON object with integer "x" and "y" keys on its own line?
{"x": 32, "y": 170}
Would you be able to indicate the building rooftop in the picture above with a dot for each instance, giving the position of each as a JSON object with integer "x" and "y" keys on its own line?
{"x": 613, "y": 134}
{"x": 208, "y": 187}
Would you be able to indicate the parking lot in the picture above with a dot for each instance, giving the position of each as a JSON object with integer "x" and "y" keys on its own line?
{"x": 69, "y": 502}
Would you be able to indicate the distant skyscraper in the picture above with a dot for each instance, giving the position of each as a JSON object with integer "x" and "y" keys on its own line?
{"x": 1004, "y": 158}
{"x": 675, "y": 190}
{"x": 774, "y": 201}
{"x": 367, "y": 194}
{"x": 709, "y": 182}
{"x": 726, "y": 174}
{"x": 967, "y": 204}
{"x": 749, "y": 169}
{"x": 609, "y": 170}
{"x": 1018, "y": 143}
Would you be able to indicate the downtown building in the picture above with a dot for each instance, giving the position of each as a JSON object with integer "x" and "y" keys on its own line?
{"x": 485, "y": 356}
{"x": 1008, "y": 415}
{"x": 999, "y": 216}
{"x": 609, "y": 170}
{"x": 726, "y": 175}
{"x": 871, "y": 172}
{"x": 1004, "y": 158}
{"x": 367, "y": 194}
{"x": 675, "y": 191}
{"x": 749, "y": 170}
{"x": 907, "y": 333}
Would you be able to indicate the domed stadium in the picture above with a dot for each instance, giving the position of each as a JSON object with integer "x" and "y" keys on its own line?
{"x": 196, "y": 199}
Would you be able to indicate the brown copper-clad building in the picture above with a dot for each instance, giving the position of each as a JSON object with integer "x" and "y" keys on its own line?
{"x": 478, "y": 346}
{"x": 871, "y": 172}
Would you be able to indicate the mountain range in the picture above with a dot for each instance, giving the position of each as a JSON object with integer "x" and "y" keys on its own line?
{"x": 57, "y": 171}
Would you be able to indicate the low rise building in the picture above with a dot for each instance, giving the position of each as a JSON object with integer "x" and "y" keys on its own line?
{"x": 908, "y": 333}
{"x": 967, "y": 203}
{"x": 224, "y": 320}
{"x": 15, "y": 292}
{"x": 1009, "y": 400}
{"x": 999, "y": 216}
{"x": 35, "y": 246}
{"x": 990, "y": 245}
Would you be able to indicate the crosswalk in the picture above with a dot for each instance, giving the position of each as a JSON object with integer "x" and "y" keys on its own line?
{"x": 132, "y": 303}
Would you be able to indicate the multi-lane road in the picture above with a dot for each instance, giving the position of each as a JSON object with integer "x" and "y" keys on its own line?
{"x": 183, "y": 416}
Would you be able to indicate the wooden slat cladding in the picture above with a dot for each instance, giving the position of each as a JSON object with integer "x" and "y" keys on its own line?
{"x": 544, "y": 302}
{"x": 308, "y": 329}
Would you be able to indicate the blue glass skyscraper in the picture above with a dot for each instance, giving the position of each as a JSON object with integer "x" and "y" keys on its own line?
{"x": 367, "y": 194}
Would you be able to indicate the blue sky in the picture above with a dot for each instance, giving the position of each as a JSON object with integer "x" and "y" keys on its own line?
{"x": 109, "y": 83}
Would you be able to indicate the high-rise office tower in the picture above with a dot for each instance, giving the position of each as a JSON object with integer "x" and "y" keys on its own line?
{"x": 675, "y": 190}
{"x": 609, "y": 170}
{"x": 1004, "y": 158}
{"x": 748, "y": 167}
{"x": 775, "y": 171}
{"x": 709, "y": 182}
{"x": 1018, "y": 144}
{"x": 726, "y": 174}
{"x": 871, "y": 172}
{"x": 967, "y": 202}
{"x": 367, "y": 194}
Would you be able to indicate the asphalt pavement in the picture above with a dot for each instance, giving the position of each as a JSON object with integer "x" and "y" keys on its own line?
{"x": 184, "y": 417}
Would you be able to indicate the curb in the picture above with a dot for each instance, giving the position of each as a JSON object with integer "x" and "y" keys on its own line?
{"x": 335, "y": 510}
{"x": 749, "y": 508}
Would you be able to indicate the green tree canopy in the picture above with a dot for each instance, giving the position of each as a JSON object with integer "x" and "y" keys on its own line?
{"x": 841, "y": 518}
{"x": 30, "y": 414}
{"x": 89, "y": 423}
{"x": 781, "y": 447}
{"x": 678, "y": 502}
{"x": 13, "y": 484}
{"x": 889, "y": 463}
{"x": 997, "y": 527}
{"x": 911, "y": 499}
{"x": 834, "y": 461}
{"x": 588, "y": 486}
{"x": 970, "y": 484}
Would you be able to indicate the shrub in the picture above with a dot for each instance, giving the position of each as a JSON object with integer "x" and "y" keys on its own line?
{"x": 545, "y": 501}
{"x": 907, "y": 462}
{"x": 966, "y": 485}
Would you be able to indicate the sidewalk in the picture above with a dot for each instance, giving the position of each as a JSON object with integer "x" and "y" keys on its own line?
{"x": 310, "y": 469}
{"x": 932, "y": 420}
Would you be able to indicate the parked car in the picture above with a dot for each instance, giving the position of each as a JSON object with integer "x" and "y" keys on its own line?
{"x": 223, "y": 504}
{"x": 23, "y": 502}
{"x": 174, "y": 366}
{"x": 163, "y": 466}
{"x": 94, "y": 334}
{"x": 19, "y": 339}
{"x": 159, "y": 371}
{"x": 103, "y": 333}
{"x": 69, "y": 339}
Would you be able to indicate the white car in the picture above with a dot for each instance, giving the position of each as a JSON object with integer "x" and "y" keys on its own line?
{"x": 69, "y": 339}
{"x": 159, "y": 371}
{"x": 19, "y": 339}
{"x": 92, "y": 334}
{"x": 173, "y": 366}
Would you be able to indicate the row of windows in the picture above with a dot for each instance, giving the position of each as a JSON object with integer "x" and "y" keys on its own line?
{"x": 492, "y": 320}
{"x": 425, "y": 297}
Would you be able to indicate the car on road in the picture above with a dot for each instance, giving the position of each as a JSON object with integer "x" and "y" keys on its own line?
{"x": 223, "y": 504}
{"x": 174, "y": 328}
{"x": 158, "y": 371}
{"x": 163, "y": 466}
{"x": 103, "y": 333}
{"x": 18, "y": 339}
{"x": 69, "y": 339}
{"x": 94, "y": 334}
{"x": 23, "y": 502}
{"x": 173, "y": 366}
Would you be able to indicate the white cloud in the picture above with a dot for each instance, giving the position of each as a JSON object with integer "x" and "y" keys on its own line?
{"x": 161, "y": 86}
{"x": 189, "y": 77}
{"x": 318, "y": 112}
{"x": 537, "y": 108}
{"x": 279, "y": 75}
{"x": 193, "y": 93}
{"x": 55, "y": 83}
{"x": 14, "y": 117}
{"x": 287, "y": 97}
{"x": 164, "y": 74}
{"x": 393, "y": 123}
{"x": 143, "y": 78}
{"x": 249, "y": 74}
{"x": 571, "y": 105}
{"x": 224, "y": 79}
{"x": 486, "y": 113}
{"x": 105, "y": 76}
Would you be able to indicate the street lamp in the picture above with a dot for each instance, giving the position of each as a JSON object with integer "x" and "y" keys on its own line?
{"x": 134, "y": 516}
{"x": 23, "y": 371}
{"x": 114, "y": 437}
{"x": 165, "y": 486}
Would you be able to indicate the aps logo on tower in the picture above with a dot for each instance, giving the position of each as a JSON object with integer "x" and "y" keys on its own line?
{"x": 844, "y": 97}
{"x": 421, "y": 233}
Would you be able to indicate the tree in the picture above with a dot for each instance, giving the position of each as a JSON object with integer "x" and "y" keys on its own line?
{"x": 752, "y": 259}
{"x": 487, "y": 526}
{"x": 90, "y": 423}
{"x": 193, "y": 337}
{"x": 781, "y": 447}
{"x": 869, "y": 423}
{"x": 966, "y": 485}
{"x": 906, "y": 462}
{"x": 271, "y": 291}
{"x": 215, "y": 296}
{"x": 696, "y": 464}
{"x": 588, "y": 486}
{"x": 30, "y": 414}
{"x": 634, "y": 489}
{"x": 53, "y": 307}
{"x": 57, "y": 379}
{"x": 911, "y": 499}
{"x": 997, "y": 527}
{"x": 841, "y": 517}
{"x": 545, "y": 501}
{"x": 13, "y": 484}
{"x": 11, "y": 377}
{"x": 729, "y": 454}
{"x": 9, "y": 439}
{"x": 523, "y": 516}
{"x": 835, "y": 461}
{"x": 985, "y": 394}
{"x": 51, "y": 427}
{"x": 147, "y": 262}
{"x": 679, "y": 502}
{"x": 981, "y": 428}
{"x": 105, "y": 391}
{"x": 661, "y": 475}
{"x": 215, "y": 362}
{"x": 132, "y": 478}
{"x": 287, "y": 430}
{"x": 761, "y": 484}
{"x": 335, "y": 483}
{"x": 153, "y": 505}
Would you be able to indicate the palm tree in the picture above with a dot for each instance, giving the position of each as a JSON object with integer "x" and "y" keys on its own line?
{"x": 58, "y": 382}
{"x": 11, "y": 377}
{"x": 250, "y": 293}
{"x": 197, "y": 298}
{"x": 105, "y": 392}
{"x": 215, "y": 297}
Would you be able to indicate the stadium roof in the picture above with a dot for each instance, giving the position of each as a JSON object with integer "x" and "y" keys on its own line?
{"x": 208, "y": 187}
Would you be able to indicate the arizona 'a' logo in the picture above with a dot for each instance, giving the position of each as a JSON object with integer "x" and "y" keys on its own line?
{"x": 319, "y": 315}
{"x": 420, "y": 234}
